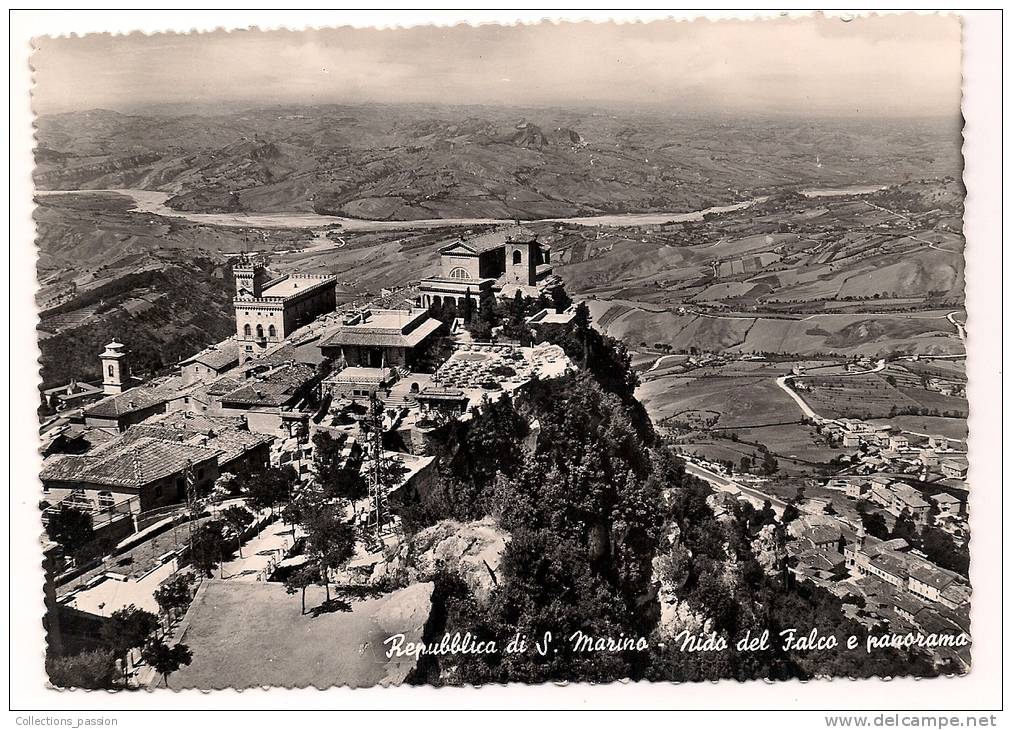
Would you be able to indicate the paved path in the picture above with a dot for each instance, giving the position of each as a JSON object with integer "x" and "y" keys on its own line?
{"x": 261, "y": 554}
{"x": 112, "y": 594}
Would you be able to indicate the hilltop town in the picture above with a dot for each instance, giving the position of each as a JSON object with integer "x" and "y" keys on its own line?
{"x": 332, "y": 447}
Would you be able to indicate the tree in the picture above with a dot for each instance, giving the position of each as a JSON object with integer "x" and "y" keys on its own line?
{"x": 271, "y": 488}
{"x": 209, "y": 547}
{"x": 769, "y": 465}
{"x": 329, "y": 539}
{"x": 875, "y": 525}
{"x": 175, "y": 593}
{"x": 905, "y": 528}
{"x": 71, "y": 529}
{"x": 94, "y": 669}
{"x": 467, "y": 307}
{"x": 791, "y": 513}
{"x": 300, "y": 579}
{"x": 166, "y": 659}
{"x": 126, "y": 629}
{"x": 486, "y": 319}
{"x": 238, "y": 518}
{"x": 561, "y": 299}
{"x": 225, "y": 486}
{"x": 337, "y": 475}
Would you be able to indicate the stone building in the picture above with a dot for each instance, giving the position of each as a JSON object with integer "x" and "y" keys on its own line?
{"x": 269, "y": 310}
{"x": 142, "y": 473}
{"x": 501, "y": 261}
{"x": 210, "y": 362}
{"x": 381, "y": 338}
{"x": 272, "y": 401}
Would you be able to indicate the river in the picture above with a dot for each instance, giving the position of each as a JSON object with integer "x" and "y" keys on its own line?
{"x": 153, "y": 201}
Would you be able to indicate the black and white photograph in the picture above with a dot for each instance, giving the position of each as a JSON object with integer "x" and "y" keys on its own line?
{"x": 458, "y": 355}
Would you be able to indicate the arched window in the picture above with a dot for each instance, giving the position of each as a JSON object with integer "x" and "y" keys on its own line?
{"x": 247, "y": 331}
{"x": 112, "y": 371}
{"x": 517, "y": 257}
{"x": 272, "y": 332}
{"x": 459, "y": 273}
{"x": 260, "y": 331}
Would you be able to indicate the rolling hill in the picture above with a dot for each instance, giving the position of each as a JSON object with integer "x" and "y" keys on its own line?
{"x": 412, "y": 162}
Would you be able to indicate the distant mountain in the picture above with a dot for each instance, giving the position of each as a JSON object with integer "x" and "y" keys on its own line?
{"x": 410, "y": 162}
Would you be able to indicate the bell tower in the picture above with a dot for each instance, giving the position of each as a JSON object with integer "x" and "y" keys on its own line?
{"x": 115, "y": 368}
{"x": 521, "y": 265}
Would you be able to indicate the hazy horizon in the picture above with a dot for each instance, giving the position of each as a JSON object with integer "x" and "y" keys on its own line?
{"x": 883, "y": 66}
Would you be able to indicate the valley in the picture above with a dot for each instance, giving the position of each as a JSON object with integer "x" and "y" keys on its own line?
{"x": 820, "y": 266}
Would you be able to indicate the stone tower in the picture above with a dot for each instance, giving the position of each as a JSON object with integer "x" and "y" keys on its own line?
{"x": 115, "y": 368}
{"x": 250, "y": 276}
{"x": 521, "y": 259}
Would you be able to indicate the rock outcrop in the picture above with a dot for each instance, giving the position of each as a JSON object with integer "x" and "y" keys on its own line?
{"x": 471, "y": 550}
{"x": 768, "y": 551}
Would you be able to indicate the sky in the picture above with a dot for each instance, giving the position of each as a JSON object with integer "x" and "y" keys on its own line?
{"x": 891, "y": 65}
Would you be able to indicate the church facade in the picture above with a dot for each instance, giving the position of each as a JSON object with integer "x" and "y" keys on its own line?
{"x": 502, "y": 261}
{"x": 269, "y": 310}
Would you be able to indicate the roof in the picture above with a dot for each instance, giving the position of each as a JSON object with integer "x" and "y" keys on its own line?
{"x": 909, "y": 495}
{"x": 291, "y": 286}
{"x": 945, "y": 498}
{"x": 218, "y": 387}
{"x": 819, "y": 560}
{"x": 909, "y": 603}
{"x": 891, "y": 563}
{"x": 957, "y": 593}
{"x": 217, "y": 356}
{"x": 930, "y": 574}
{"x": 130, "y": 462}
{"x": 385, "y": 329}
{"x": 196, "y": 421}
{"x": 550, "y": 316}
{"x": 231, "y": 443}
{"x": 306, "y": 351}
{"x": 492, "y": 240}
{"x": 278, "y": 387}
{"x": 136, "y": 399}
{"x": 822, "y": 534}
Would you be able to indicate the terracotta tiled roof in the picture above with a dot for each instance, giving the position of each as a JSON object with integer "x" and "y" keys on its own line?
{"x": 278, "y": 387}
{"x": 137, "y": 399}
{"x": 217, "y": 356}
{"x": 231, "y": 443}
{"x": 930, "y": 574}
{"x": 362, "y": 335}
{"x": 126, "y": 462}
{"x": 494, "y": 239}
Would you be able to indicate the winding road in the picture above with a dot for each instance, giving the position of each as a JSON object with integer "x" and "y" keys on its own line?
{"x": 807, "y": 409}
{"x": 960, "y": 327}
